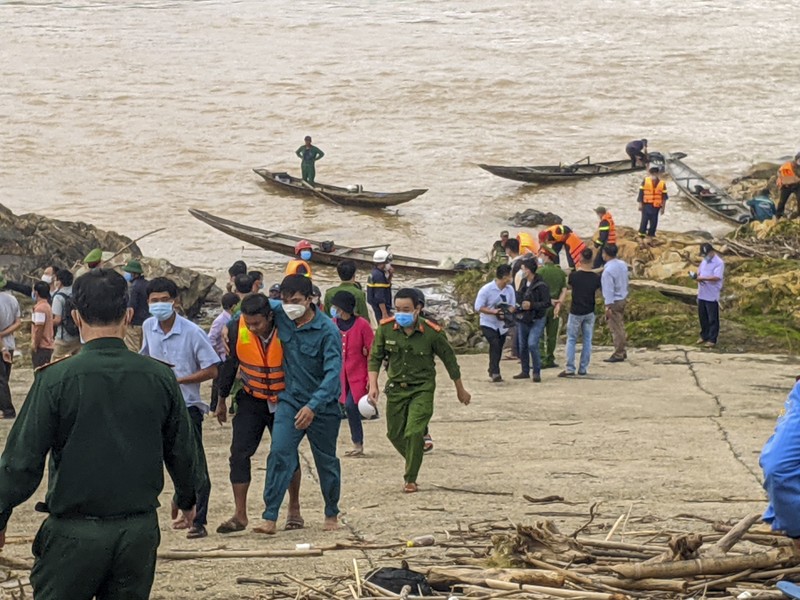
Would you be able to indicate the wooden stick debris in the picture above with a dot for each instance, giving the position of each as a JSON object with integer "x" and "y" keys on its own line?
{"x": 730, "y": 539}
{"x": 203, "y": 554}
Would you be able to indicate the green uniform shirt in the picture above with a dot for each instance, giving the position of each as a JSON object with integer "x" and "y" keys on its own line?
{"x": 411, "y": 356}
{"x": 346, "y": 286}
{"x": 555, "y": 278}
{"x": 110, "y": 420}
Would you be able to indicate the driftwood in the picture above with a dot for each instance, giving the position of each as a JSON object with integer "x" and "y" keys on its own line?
{"x": 681, "y": 547}
{"x": 706, "y": 566}
{"x": 729, "y": 540}
{"x": 556, "y": 592}
{"x": 194, "y": 554}
{"x": 680, "y": 292}
{"x": 449, "y": 576}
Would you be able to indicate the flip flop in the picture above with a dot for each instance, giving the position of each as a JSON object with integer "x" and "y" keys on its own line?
{"x": 354, "y": 453}
{"x": 410, "y": 488}
{"x": 231, "y": 526}
{"x": 293, "y": 523}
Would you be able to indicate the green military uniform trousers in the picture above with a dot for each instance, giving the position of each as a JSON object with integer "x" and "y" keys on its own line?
{"x": 550, "y": 338}
{"x": 110, "y": 559}
{"x": 308, "y": 171}
{"x": 409, "y": 409}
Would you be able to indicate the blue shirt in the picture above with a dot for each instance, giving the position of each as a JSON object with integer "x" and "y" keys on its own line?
{"x": 780, "y": 461}
{"x": 710, "y": 290}
{"x": 312, "y": 361}
{"x": 489, "y": 297}
{"x": 615, "y": 281}
{"x": 186, "y": 347}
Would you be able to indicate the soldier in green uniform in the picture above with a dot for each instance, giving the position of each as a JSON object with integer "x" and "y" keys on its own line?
{"x": 556, "y": 280}
{"x": 110, "y": 419}
{"x": 309, "y": 155}
{"x": 409, "y": 343}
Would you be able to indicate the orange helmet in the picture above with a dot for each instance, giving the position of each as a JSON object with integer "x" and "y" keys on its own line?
{"x": 302, "y": 245}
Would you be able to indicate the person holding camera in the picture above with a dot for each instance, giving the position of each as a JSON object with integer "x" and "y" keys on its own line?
{"x": 495, "y": 303}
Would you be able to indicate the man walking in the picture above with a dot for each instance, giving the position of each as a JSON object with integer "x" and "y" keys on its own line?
{"x": 347, "y": 275}
{"x": 652, "y": 203}
{"x": 309, "y": 155}
{"x": 584, "y": 283}
{"x": 177, "y": 341}
{"x": 111, "y": 420}
{"x": 494, "y": 300}
{"x": 556, "y": 280}
{"x": 10, "y": 321}
{"x": 256, "y": 354}
{"x": 309, "y": 406}
{"x": 67, "y": 341}
{"x": 709, "y": 286}
{"x": 410, "y": 343}
{"x": 137, "y": 300}
{"x": 614, "y": 282}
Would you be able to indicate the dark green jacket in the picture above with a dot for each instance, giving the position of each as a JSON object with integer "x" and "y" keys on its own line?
{"x": 346, "y": 286}
{"x": 411, "y": 356}
{"x": 110, "y": 420}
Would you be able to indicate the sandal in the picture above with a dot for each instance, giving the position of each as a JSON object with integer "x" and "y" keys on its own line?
{"x": 354, "y": 453}
{"x": 231, "y": 526}
{"x": 410, "y": 488}
{"x": 293, "y": 523}
{"x": 197, "y": 532}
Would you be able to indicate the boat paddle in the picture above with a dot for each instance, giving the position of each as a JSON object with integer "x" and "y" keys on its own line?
{"x": 318, "y": 193}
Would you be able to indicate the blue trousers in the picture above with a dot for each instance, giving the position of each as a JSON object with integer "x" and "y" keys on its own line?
{"x": 579, "y": 325}
{"x": 528, "y": 336}
{"x": 354, "y": 419}
{"x": 649, "y": 222}
{"x": 283, "y": 458}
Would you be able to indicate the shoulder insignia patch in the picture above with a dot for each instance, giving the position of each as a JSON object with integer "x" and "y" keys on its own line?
{"x": 50, "y": 364}
{"x": 434, "y": 326}
{"x": 387, "y": 320}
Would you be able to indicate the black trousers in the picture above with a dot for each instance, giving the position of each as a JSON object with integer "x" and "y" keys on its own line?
{"x": 635, "y": 156}
{"x": 203, "y": 483}
{"x": 214, "y": 393}
{"x": 785, "y": 192}
{"x": 649, "y": 222}
{"x": 708, "y": 311}
{"x": 496, "y": 341}
{"x": 6, "y": 407}
{"x": 251, "y": 419}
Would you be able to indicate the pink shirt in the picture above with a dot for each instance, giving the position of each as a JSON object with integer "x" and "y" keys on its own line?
{"x": 356, "y": 344}
{"x": 43, "y": 317}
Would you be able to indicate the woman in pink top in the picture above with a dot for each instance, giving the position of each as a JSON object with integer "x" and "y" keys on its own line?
{"x": 357, "y": 339}
{"x": 42, "y": 330}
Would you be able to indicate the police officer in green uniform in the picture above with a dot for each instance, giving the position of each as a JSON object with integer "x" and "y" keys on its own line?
{"x": 110, "y": 420}
{"x": 309, "y": 155}
{"x": 556, "y": 280}
{"x": 409, "y": 343}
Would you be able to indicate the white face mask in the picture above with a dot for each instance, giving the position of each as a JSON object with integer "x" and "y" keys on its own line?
{"x": 47, "y": 278}
{"x": 294, "y": 311}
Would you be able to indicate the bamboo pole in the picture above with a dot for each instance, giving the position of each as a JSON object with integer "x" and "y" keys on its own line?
{"x": 647, "y": 549}
{"x": 706, "y": 566}
{"x": 557, "y": 592}
{"x": 729, "y": 540}
{"x": 201, "y": 554}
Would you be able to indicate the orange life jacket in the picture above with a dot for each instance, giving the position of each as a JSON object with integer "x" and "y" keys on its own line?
{"x": 527, "y": 243}
{"x": 558, "y": 232}
{"x": 611, "y": 228}
{"x": 654, "y": 194}
{"x": 260, "y": 369}
{"x": 575, "y": 246}
{"x": 292, "y": 266}
{"x": 787, "y": 175}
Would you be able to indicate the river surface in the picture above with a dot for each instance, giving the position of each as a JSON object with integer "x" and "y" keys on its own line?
{"x": 125, "y": 114}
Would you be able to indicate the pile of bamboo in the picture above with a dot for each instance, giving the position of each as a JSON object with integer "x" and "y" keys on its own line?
{"x": 489, "y": 561}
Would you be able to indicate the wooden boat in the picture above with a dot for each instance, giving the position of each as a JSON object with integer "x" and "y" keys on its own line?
{"x": 284, "y": 244}
{"x": 583, "y": 169}
{"x": 703, "y": 193}
{"x": 346, "y": 196}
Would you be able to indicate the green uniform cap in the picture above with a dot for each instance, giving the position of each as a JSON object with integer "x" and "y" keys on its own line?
{"x": 95, "y": 255}
{"x": 133, "y": 266}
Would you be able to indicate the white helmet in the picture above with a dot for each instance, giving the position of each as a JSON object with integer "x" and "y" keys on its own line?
{"x": 365, "y": 408}
{"x": 381, "y": 256}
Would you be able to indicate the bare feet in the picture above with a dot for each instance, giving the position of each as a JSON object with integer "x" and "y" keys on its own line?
{"x": 331, "y": 524}
{"x": 266, "y": 527}
{"x": 180, "y": 523}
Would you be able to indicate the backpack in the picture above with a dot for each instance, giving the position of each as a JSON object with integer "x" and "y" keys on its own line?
{"x": 394, "y": 580}
{"x": 68, "y": 324}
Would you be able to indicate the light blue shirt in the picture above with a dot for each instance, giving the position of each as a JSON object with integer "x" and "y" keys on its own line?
{"x": 615, "y": 281}
{"x": 490, "y": 296}
{"x": 186, "y": 348}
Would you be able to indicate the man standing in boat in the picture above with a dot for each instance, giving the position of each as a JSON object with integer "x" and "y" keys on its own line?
{"x": 309, "y": 155}
{"x": 637, "y": 150}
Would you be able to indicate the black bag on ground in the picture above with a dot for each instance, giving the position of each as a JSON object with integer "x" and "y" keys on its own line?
{"x": 394, "y": 580}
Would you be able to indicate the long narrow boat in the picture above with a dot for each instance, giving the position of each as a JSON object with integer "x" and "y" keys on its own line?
{"x": 701, "y": 192}
{"x": 583, "y": 169}
{"x": 346, "y": 196}
{"x": 284, "y": 244}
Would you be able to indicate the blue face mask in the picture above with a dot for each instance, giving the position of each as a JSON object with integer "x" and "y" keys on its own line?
{"x": 404, "y": 319}
{"x": 707, "y": 258}
{"x": 334, "y": 312}
{"x": 33, "y": 296}
{"x": 128, "y": 276}
{"x": 161, "y": 310}
{"x": 305, "y": 254}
